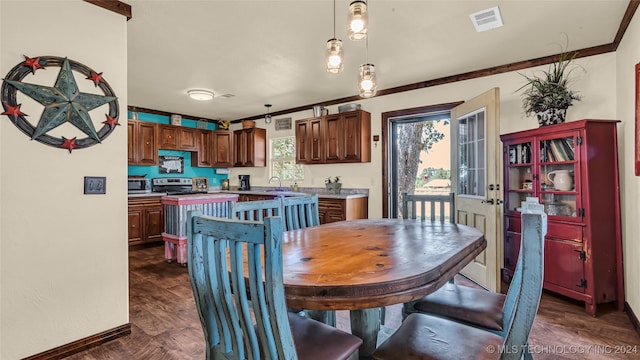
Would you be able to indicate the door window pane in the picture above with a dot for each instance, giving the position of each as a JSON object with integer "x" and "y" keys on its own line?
{"x": 471, "y": 155}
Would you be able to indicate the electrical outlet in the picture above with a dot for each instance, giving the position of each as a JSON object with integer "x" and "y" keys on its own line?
{"x": 95, "y": 185}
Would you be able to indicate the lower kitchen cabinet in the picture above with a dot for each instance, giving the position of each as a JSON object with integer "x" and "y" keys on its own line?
{"x": 332, "y": 210}
{"x": 254, "y": 197}
{"x": 146, "y": 219}
{"x": 329, "y": 209}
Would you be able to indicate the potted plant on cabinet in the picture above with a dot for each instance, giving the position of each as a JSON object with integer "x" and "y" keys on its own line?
{"x": 548, "y": 96}
{"x": 333, "y": 185}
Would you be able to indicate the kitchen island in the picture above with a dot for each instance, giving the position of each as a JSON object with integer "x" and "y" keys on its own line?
{"x": 175, "y": 210}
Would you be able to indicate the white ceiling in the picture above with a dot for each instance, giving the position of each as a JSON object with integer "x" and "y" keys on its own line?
{"x": 273, "y": 51}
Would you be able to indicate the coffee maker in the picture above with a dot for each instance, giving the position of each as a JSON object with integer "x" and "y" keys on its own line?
{"x": 244, "y": 182}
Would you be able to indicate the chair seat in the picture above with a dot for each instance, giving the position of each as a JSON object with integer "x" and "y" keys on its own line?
{"x": 315, "y": 340}
{"x": 425, "y": 337}
{"x": 475, "y": 306}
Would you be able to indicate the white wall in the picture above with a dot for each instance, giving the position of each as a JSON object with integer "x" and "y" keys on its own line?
{"x": 627, "y": 56}
{"x": 596, "y": 84}
{"x": 63, "y": 255}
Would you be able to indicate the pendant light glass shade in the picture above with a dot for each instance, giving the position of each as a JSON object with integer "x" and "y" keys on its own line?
{"x": 335, "y": 56}
{"x": 367, "y": 85}
{"x": 267, "y": 117}
{"x": 358, "y": 20}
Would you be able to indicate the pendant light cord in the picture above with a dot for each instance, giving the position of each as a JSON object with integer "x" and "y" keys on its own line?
{"x": 334, "y": 19}
{"x": 366, "y": 39}
{"x": 367, "y": 46}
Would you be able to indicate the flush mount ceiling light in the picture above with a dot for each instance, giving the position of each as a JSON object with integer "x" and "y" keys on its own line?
{"x": 358, "y": 20}
{"x": 267, "y": 117}
{"x": 200, "y": 95}
{"x": 335, "y": 55}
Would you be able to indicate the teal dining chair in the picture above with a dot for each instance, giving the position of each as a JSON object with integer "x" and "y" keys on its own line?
{"x": 300, "y": 212}
{"x": 251, "y": 322}
{"x": 426, "y": 336}
{"x": 255, "y": 210}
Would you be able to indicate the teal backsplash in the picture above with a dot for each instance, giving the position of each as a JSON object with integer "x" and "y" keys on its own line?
{"x": 189, "y": 171}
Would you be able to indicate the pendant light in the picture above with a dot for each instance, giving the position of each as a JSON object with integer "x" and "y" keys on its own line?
{"x": 358, "y": 20}
{"x": 335, "y": 55}
{"x": 267, "y": 117}
{"x": 367, "y": 84}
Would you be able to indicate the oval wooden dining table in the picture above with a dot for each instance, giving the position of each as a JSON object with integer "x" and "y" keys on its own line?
{"x": 362, "y": 265}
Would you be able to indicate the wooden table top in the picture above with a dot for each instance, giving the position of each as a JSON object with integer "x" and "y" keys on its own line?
{"x": 373, "y": 262}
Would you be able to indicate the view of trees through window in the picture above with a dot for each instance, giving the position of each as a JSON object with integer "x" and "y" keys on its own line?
{"x": 423, "y": 158}
{"x": 283, "y": 160}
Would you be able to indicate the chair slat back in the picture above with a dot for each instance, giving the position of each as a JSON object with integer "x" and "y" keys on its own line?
{"x": 300, "y": 212}
{"x": 430, "y": 207}
{"x": 519, "y": 315}
{"x": 218, "y": 248}
{"x": 255, "y": 210}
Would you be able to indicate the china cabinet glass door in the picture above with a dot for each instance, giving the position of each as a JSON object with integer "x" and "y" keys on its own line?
{"x": 559, "y": 185}
{"x": 520, "y": 177}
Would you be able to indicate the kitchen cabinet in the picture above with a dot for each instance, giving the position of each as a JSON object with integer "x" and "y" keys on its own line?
{"x": 146, "y": 219}
{"x": 204, "y": 156}
{"x": 188, "y": 139}
{"x": 222, "y": 154}
{"x": 329, "y": 209}
{"x": 310, "y": 141}
{"x": 572, "y": 169}
{"x": 173, "y": 137}
{"x": 141, "y": 143}
{"x": 340, "y": 209}
{"x": 336, "y": 138}
{"x": 255, "y": 197}
{"x": 250, "y": 147}
{"x": 213, "y": 149}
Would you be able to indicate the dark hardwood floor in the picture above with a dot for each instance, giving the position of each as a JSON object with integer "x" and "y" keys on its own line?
{"x": 165, "y": 324}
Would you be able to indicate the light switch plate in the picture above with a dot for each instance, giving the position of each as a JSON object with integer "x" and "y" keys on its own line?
{"x": 95, "y": 185}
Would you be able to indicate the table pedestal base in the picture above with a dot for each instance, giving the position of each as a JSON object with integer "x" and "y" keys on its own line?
{"x": 365, "y": 324}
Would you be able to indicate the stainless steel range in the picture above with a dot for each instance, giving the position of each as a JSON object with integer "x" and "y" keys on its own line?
{"x": 175, "y": 186}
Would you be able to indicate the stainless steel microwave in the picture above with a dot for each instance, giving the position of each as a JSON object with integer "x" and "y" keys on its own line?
{"x": 138, "y": 185}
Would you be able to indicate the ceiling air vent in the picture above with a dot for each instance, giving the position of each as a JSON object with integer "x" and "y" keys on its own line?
{"x": 486, "y": 19}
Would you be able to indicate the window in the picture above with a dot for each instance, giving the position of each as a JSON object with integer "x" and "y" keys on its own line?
{"x": 283, "y": 159}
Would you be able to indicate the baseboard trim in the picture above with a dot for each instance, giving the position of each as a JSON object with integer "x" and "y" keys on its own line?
{"x": 632, "y": 317}
{"x": 82, "y": 344}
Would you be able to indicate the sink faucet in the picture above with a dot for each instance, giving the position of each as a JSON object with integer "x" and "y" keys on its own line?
{"x": 279, "y": 181}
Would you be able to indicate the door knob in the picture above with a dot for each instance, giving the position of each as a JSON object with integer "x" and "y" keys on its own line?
{"x": 490, "y": 201}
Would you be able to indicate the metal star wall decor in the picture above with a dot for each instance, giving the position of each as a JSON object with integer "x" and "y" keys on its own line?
{"x": 62, "y": 103}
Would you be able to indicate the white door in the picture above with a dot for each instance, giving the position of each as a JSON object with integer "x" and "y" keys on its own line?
{"x": 478, "y": 160}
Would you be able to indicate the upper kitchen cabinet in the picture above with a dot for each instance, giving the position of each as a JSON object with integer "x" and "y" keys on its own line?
{"x": 214, "y": 149}
{"x": 141, "y": 145}
{"x": 310, "y": 141}
{"x": 173, "y": 137}
{"x": 250, "y": 147}
{"x": 222, "y": 154}
{"x": 336, "y": 138}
